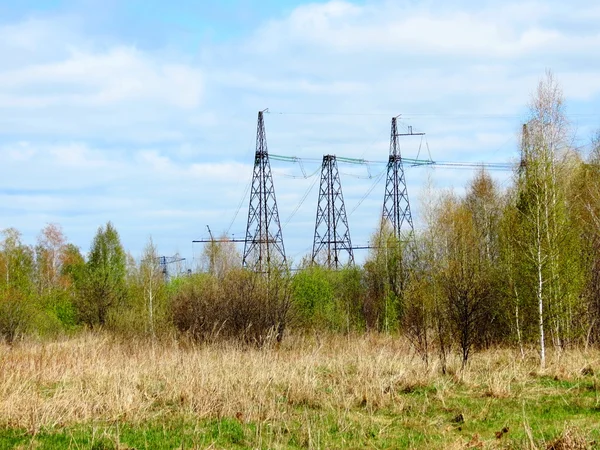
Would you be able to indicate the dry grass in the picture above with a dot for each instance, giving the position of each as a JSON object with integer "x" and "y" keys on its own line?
{"x": 96, "y": 378}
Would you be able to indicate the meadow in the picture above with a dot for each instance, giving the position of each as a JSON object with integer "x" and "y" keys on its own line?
{"x": 314, "y": 390}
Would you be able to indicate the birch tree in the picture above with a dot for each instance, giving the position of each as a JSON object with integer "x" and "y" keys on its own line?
{"x": 153, "y": 286}
{"x": 543, "y": 218}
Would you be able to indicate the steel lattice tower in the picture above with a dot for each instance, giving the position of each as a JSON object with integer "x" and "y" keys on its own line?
{"x": 332, "y": 234}
{"x": 396, "y": 207}
{"x": 263, "y": 245}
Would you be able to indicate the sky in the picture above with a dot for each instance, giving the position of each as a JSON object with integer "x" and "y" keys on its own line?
{"x": 144, "y": 112}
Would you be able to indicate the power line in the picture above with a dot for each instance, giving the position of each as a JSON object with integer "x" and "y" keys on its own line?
{"x": 410, "y": 162}
{"x": 237, "y": 211}
{"x": 375, "y": 183}
{"x": 304, "y": 197}
{"x": 483, "y": 115}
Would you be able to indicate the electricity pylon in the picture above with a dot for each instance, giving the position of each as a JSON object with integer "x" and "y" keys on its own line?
{"x": 263, "y": 246}
{"x": 396, "y": 206}
{"x": 164, "y": 261}
{"x": 332, "y": 234}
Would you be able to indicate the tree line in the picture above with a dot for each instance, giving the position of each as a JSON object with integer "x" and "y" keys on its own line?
{"x": 515, "y": 266}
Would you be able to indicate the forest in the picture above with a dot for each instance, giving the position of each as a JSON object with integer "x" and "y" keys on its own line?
{"x": 514, "y": 267}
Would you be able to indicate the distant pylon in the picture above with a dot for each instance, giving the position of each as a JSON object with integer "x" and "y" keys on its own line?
{"x": 164, "y": 262}
{"x": 396, "y": 207}
{"x": 263, "y": 245}
{"x": 332, "y": 234}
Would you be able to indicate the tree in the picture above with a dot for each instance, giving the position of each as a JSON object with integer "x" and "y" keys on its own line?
{"x": 546, "y": 236}
{"x": 585, "y": 200}
{"x": 313, "y": 298}
{"x": 102, "y": 283}
{"x": 17, "y": 262}
{"x": 387, "y": 271}
{"x": 16, "y": 285}
{"x": 425, "y": 317}
{"x": 243, "y": 305}
{"x": 463, "y": 274}
{"x": 484, "y": 207}
{"x": 514, "y": 284}
{"x": 595, "y": 153}
{"x": 220, "y": 256}
{"x": 152, "y": 281}
{"x": 54, "y": 285}
{"x": 49, "y": 252}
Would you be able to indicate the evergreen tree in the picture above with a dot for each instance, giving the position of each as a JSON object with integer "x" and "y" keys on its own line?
{"x": 102, "y": 283}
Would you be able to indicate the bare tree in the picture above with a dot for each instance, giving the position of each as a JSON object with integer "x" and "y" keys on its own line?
{"x": 152, "y": 281}
{"x": 220, "y": 256}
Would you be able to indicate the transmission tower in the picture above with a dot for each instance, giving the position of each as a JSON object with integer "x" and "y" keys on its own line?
{"x": 263, "y": 245}
{"x": 396, "y": 207}
{"x": 332, "y": 234}
{"x": 164, "y": 262}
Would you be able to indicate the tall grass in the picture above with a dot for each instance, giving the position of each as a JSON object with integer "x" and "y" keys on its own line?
{"x": 96, "y": 377}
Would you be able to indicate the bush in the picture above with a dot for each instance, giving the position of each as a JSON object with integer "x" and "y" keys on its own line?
{"x": 240, "y": 305}
{"x": 328, "y": 299}
{"x": 15, "y": 314}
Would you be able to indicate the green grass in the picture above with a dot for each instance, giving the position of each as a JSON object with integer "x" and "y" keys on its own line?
{"x": 442, "y": 415}
{"x": 337, "y": 392}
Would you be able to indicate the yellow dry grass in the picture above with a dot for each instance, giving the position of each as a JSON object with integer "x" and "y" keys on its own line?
{"x": 97, "y": 377}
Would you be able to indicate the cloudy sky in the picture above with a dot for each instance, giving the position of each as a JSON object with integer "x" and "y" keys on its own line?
{"x": 144, "y": 112}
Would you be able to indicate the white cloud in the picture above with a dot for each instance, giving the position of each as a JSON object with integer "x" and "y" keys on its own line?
{"x": 490, "y": 31}
{"x": 101, "y": 79}
{"x": 37, "y": 36}
{"x": 57, "y": 82}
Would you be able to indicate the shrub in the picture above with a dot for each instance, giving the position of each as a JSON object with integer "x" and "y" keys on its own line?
{"x": 15, "y": 314}
{"x": 240, "y": 305}
{"x": 329, "y": 299}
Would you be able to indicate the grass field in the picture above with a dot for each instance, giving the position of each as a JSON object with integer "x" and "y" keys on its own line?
{"x": 369, "y": 391}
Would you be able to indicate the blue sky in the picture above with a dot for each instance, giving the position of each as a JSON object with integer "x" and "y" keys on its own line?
{"x": 144, "y": 112}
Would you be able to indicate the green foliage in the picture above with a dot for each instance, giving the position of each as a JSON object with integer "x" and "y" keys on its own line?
{"x": 17, "y": 263}
{"x": 327, "y": 299}
{"x": 101, "y": 282}
{"x": 546, "y": 249}
{"x": 15, "y": 314}
{"x": 312, "y": 296}
{"x": 386, "y": 274}
{"x": 146, "y": 308}
{"x": 16, "y": 286}
{"x": 468, "y": 261}
{"x": 62, "y": 307}
{"x": 585, "y": 201}
{"x": 53, "y": 314}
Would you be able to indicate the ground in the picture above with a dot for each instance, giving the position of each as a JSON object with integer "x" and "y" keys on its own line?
{"x": 312, "y": 391}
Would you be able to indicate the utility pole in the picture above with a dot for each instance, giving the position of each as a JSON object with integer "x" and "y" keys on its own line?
{"x": 332, "y": 234}
{"x": 263, "y": 245}
{"x": 211, "y": 252}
